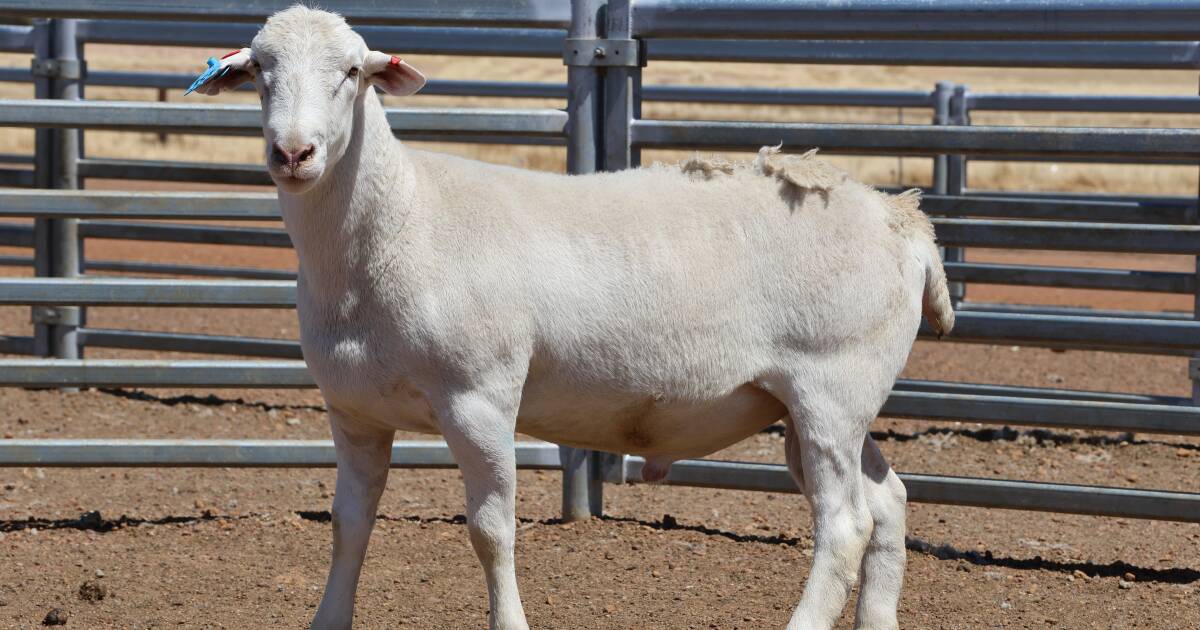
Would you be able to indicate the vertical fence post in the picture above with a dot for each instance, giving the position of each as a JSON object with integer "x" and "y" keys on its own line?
{"x": 1194, "y": 362}
{"x": 622, "y": 92}
{"x": 57, "y": 72}
{"x": 582, "y": 487}
{"x": 43, "y": 168}
{"x": 956, "y": 180}
{"x": 942, "y": 92}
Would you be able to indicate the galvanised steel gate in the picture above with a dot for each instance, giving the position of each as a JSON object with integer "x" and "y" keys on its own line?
{"x": 605, "y": 47}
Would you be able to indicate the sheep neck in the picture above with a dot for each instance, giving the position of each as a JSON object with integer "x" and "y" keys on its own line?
{"x": 341, "y": 227}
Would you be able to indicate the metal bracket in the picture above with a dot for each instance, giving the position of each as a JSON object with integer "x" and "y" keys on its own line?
{"x": 58, "y": 68}
{"x": 1194, "y": 369}
{"x": 604, "y": 52}
{"x": 56, "y": 315}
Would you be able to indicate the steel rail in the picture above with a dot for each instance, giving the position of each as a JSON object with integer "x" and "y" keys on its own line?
{"x": 922, "y": 139}
{"x": 890, "y": 20}
{"x": 247, "y": 119}
{"x": 942, "y": 489}
{"x": 239, "y": 453}
{"x": 523, "y": 13}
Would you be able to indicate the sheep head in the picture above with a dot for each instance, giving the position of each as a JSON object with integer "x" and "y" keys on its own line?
{"x": 312, "y": 72}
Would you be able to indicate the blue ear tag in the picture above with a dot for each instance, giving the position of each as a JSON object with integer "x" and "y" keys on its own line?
{"x": 214, "y": 71}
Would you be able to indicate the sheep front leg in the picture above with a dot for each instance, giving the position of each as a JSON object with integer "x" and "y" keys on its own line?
{"x": 363, "y": 456}
{"x": 480, "y": 433}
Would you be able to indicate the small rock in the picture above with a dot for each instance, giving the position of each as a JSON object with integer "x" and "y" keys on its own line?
{"x": 656, "y": 574}
{"x": 669, "y": 521}
{"x": 293, "y": 422}
{"x": 1005, "y": 605}
{"x": 608, "y": 610}
{"x": 1124, "y": 585}
{"x": 56, "y": 617}
{"x": 1080, "y": 574}
{"x": 8, "y": 435}
{"x": 99, "y": 572}
{"x": 1129, "y": 577}
{"x": 92, "y": 591}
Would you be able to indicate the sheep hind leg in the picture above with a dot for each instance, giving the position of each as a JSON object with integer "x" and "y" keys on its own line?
{"x": 363, "y": 457}
{"x": 481, "y": 436}
{"x": 882, "y": 571}
{"x": 828, "y": 445}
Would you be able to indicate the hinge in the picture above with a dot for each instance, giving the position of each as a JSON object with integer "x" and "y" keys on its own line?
{"x": 604, "y": 52}
{"x": 56, "y": 315}
{"x": 58, "y": 68}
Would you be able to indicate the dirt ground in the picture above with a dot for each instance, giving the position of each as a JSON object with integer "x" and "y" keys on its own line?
{"x": 228, "y": 548}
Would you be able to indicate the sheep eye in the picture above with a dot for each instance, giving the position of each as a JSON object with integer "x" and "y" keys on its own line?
{"x": 353, "y": 73}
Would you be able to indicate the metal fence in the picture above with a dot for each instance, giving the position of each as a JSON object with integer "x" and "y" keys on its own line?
{"x": 605, "y": 47}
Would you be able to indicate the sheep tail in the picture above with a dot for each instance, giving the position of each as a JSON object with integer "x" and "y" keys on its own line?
{"x": 908, "y": 220}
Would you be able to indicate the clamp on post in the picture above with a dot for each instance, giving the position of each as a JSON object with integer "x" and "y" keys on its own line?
{"x": 604, "y": 52}
{"x": 74, "y": 69}
{"x": 56, "y": 315}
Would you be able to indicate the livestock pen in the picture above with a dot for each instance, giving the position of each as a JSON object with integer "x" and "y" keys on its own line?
{"x": 602, "y": 129}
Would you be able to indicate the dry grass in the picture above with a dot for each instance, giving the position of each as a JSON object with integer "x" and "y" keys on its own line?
{"x": 909, "y": 171}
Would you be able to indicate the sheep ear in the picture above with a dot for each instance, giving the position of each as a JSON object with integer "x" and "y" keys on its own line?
{"x": 392, "y": 75}
{"x": 226, "y": 73}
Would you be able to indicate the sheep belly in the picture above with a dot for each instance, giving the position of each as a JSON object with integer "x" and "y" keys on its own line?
{"x": 648, "y": 425}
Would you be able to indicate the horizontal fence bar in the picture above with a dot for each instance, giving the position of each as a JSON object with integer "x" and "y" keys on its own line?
{"x": 1066, "y": 235}
{"x": 1127, "y": 334}
{"x": 1172, "y": 200}
{"x": 1084, "y": 103}
{"x": 1024, "y": 495}
{"x": 1072, "y": 277}
{"x": 918, "y": 19}
{"x": 491, "y": 42}
{"x": 180, "y": 233}
{"x": 239, "y": 453}
{"x": 138, "y": 205}
{"x": 16, "y": 235}
{"x": 921, "y": 139}
{"x": 17, "y": 178}
{"x": 1070, "y": 311}
{"x": 148, "y": 292}
{"x": 1074, "y": 413}
{"x": 1117, "y": 334}
{"x": 152, "y": 373}
{"x": 158, "y": 170}
{"x": 984, "y": 389}
{"x": 15, "y": 38}
{"x": 247, "y": 119}
{"x": 513, "y": 89}
{"x": 1027, "y": 54}
{"x": 1184, "y": 55}
{"x": 1044, "y": 412}
{"x": 193, "y": 343}
{"x": 16, "y": 345}
{"x": 970, "y": 491}
{"x": 122, "y": 266}
{"x": 1022, "y": 207}
{"x": 540, "y": 13}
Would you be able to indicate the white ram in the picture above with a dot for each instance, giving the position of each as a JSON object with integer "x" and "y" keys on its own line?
{"x": 664, "y": 312}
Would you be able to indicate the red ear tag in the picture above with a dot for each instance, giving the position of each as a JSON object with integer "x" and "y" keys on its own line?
{"x": 395, "y": 61}
{"x": 231, "y": 53}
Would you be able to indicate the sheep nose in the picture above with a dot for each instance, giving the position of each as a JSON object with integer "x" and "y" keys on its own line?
{"x": 292, "y": 158}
